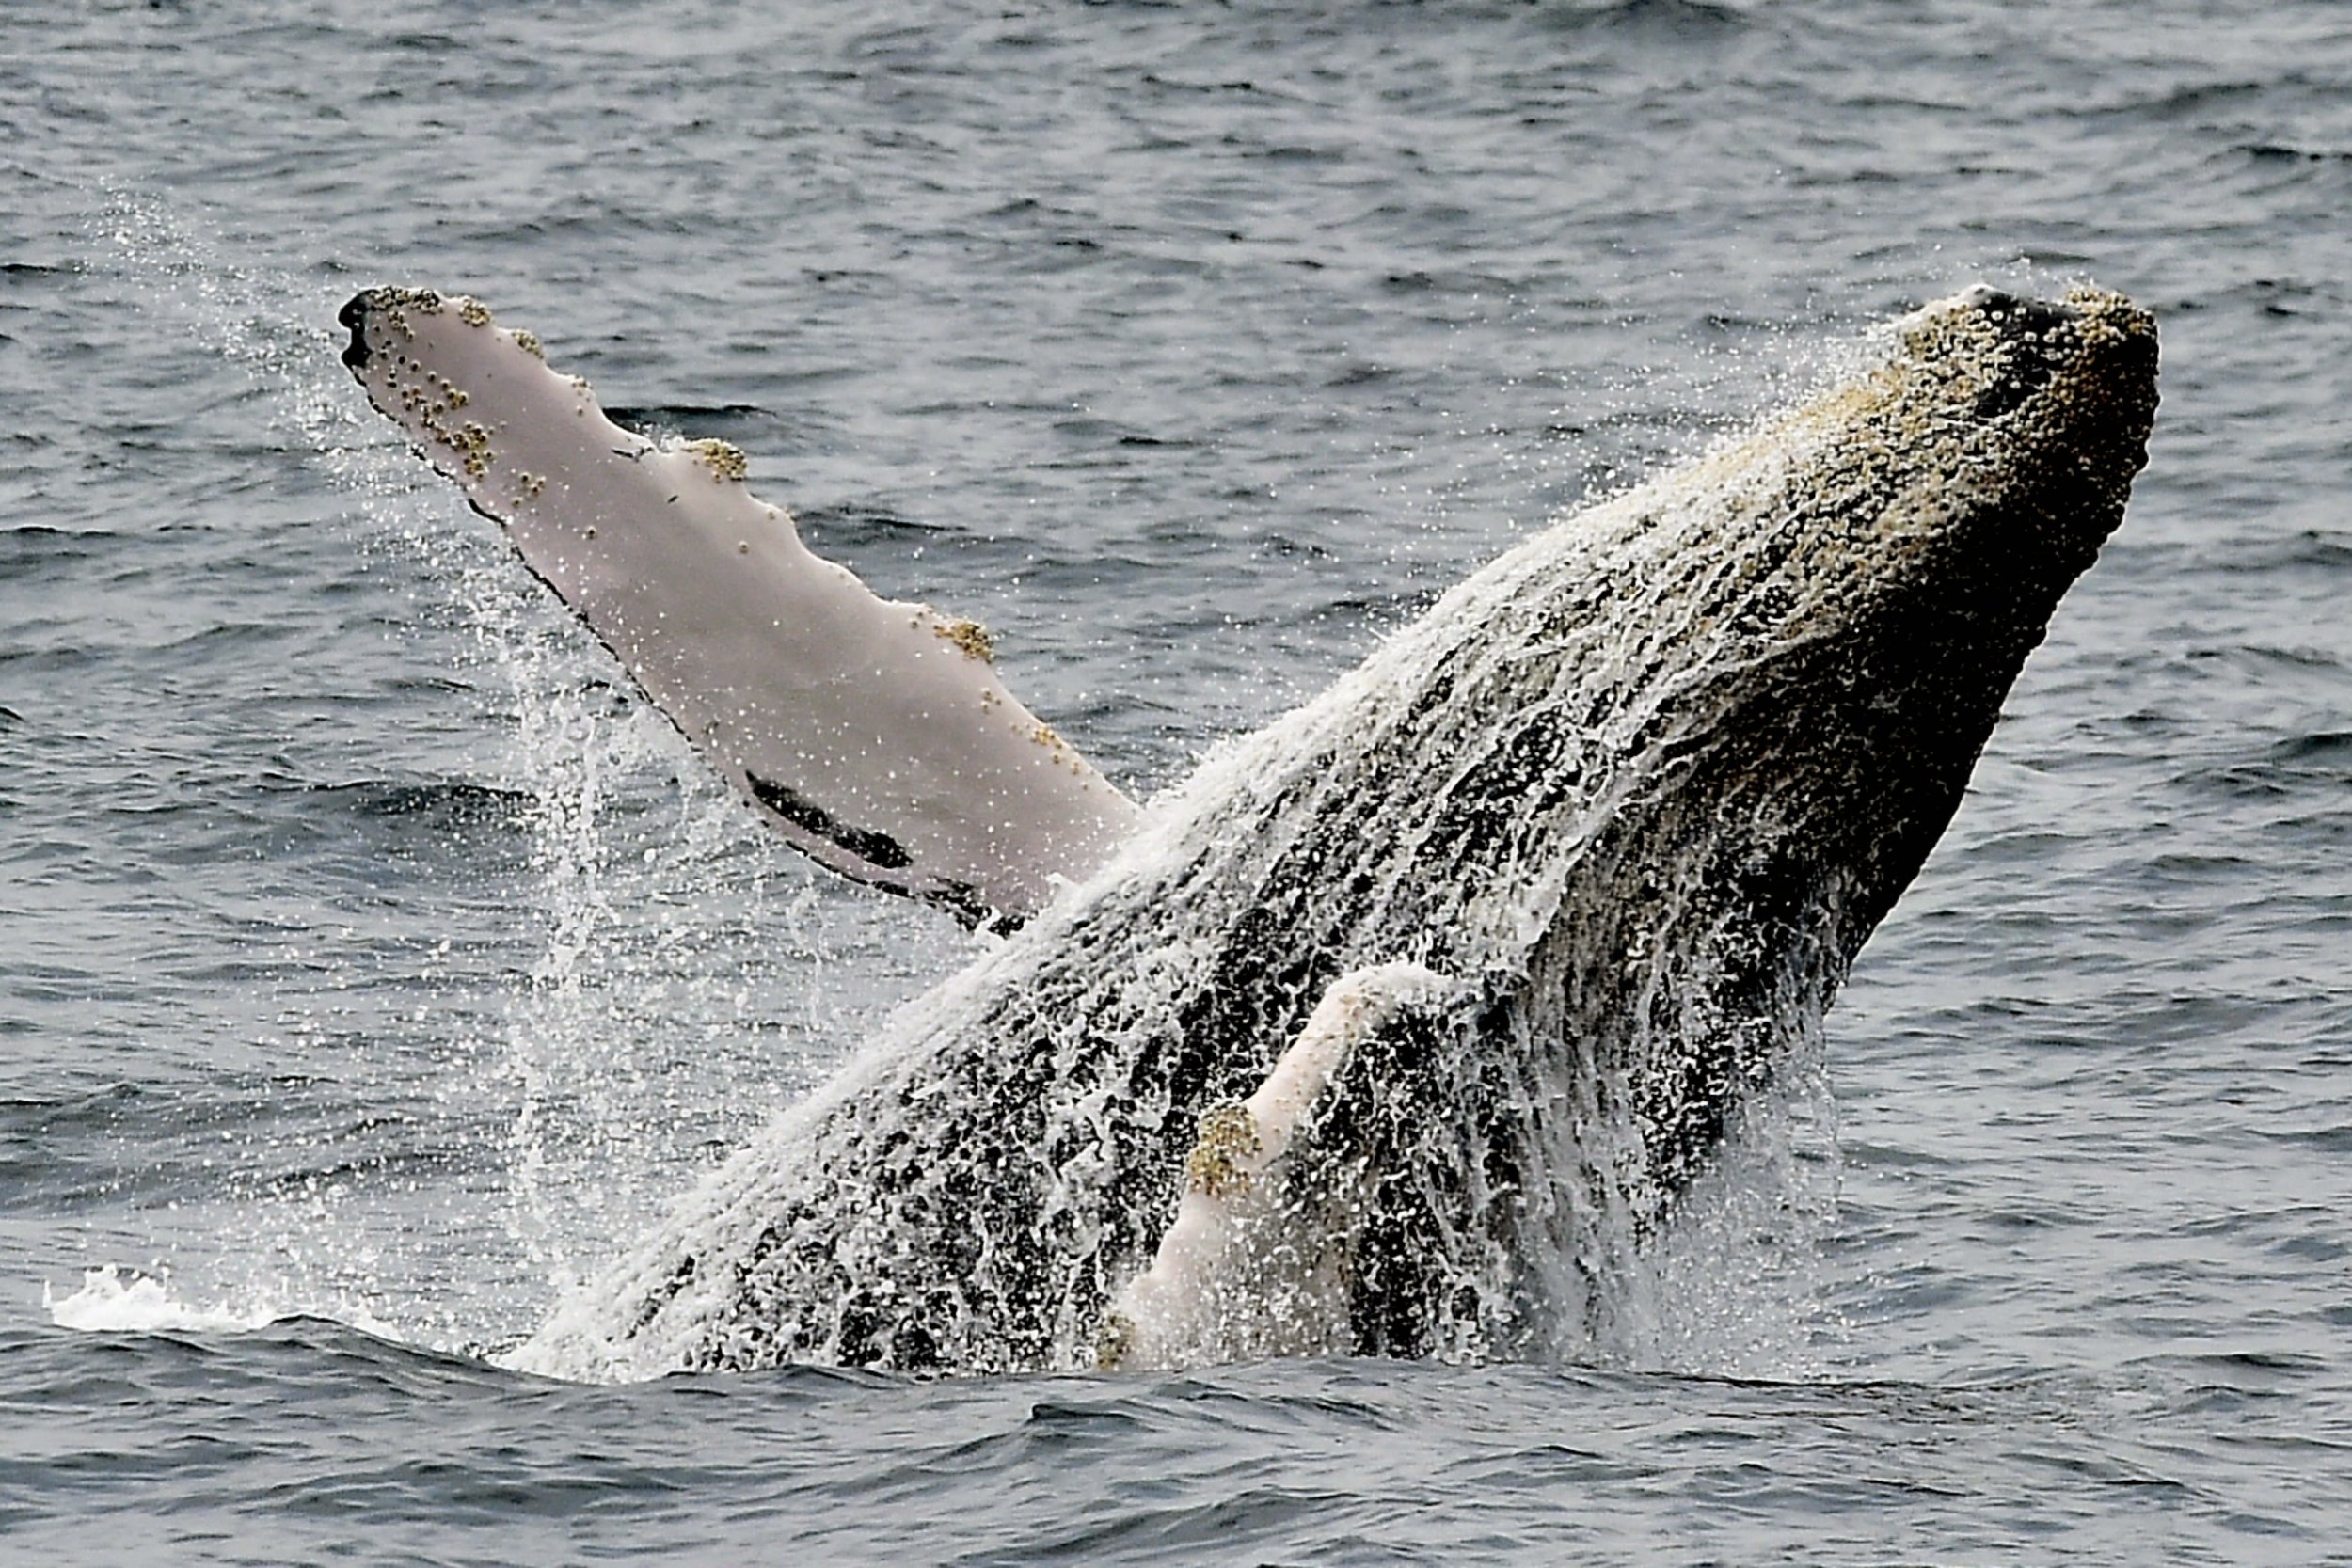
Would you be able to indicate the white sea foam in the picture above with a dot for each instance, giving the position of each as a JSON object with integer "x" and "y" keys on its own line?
{"x": 123, "y": 1301}
{"x": 117, "y": 1300}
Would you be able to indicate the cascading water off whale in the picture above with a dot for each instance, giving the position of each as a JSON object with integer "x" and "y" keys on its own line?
{"x": 1386, "y": 1031}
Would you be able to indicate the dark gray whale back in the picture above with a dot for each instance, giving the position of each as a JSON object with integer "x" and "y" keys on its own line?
{"x": 1645, "y": 785}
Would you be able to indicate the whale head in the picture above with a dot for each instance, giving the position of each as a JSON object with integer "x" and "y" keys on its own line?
{"x": 1882, "y": 601}
{"x": 1805, "y": 647}
{"x": 1881, "y": 564}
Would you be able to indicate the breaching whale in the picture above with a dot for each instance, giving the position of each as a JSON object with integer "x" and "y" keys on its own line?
{"x": 1384, "y": 1031}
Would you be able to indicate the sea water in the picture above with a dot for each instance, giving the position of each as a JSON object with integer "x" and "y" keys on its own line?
{"x": 374, "y": 962}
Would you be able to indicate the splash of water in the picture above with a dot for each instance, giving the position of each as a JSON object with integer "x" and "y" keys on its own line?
{"x": 673, "y": 998}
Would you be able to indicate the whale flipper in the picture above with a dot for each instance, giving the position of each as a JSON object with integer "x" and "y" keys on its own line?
{"x": 1266, "y": 1251}
{"x": 874, "y": 736}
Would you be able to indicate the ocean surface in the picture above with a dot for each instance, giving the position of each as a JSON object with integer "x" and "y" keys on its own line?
{"x": 374, "y": 962}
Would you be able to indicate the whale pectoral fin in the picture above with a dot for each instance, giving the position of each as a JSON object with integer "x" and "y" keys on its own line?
{"x": 1260, "y": 1258}
{"x": 874, "y": 736}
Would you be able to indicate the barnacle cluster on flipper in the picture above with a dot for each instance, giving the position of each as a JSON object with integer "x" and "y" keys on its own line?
{"x": 724, "y": 459}
{"x": 972, "y": 638}
{"x": 1229, "y": 1136}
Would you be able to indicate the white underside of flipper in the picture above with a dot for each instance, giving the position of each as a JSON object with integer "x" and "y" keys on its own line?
{"x": 873, "y": 735}
{"x": 1256, "y": 1263}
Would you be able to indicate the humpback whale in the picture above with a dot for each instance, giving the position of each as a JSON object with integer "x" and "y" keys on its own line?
{"x": 1387, "y": 1030}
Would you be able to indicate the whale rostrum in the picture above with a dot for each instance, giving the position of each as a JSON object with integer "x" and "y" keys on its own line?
{"x": 1395, "y": 1027}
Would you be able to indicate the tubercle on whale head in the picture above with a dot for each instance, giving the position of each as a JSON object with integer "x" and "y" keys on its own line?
{"x": 2090, "y": 354}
